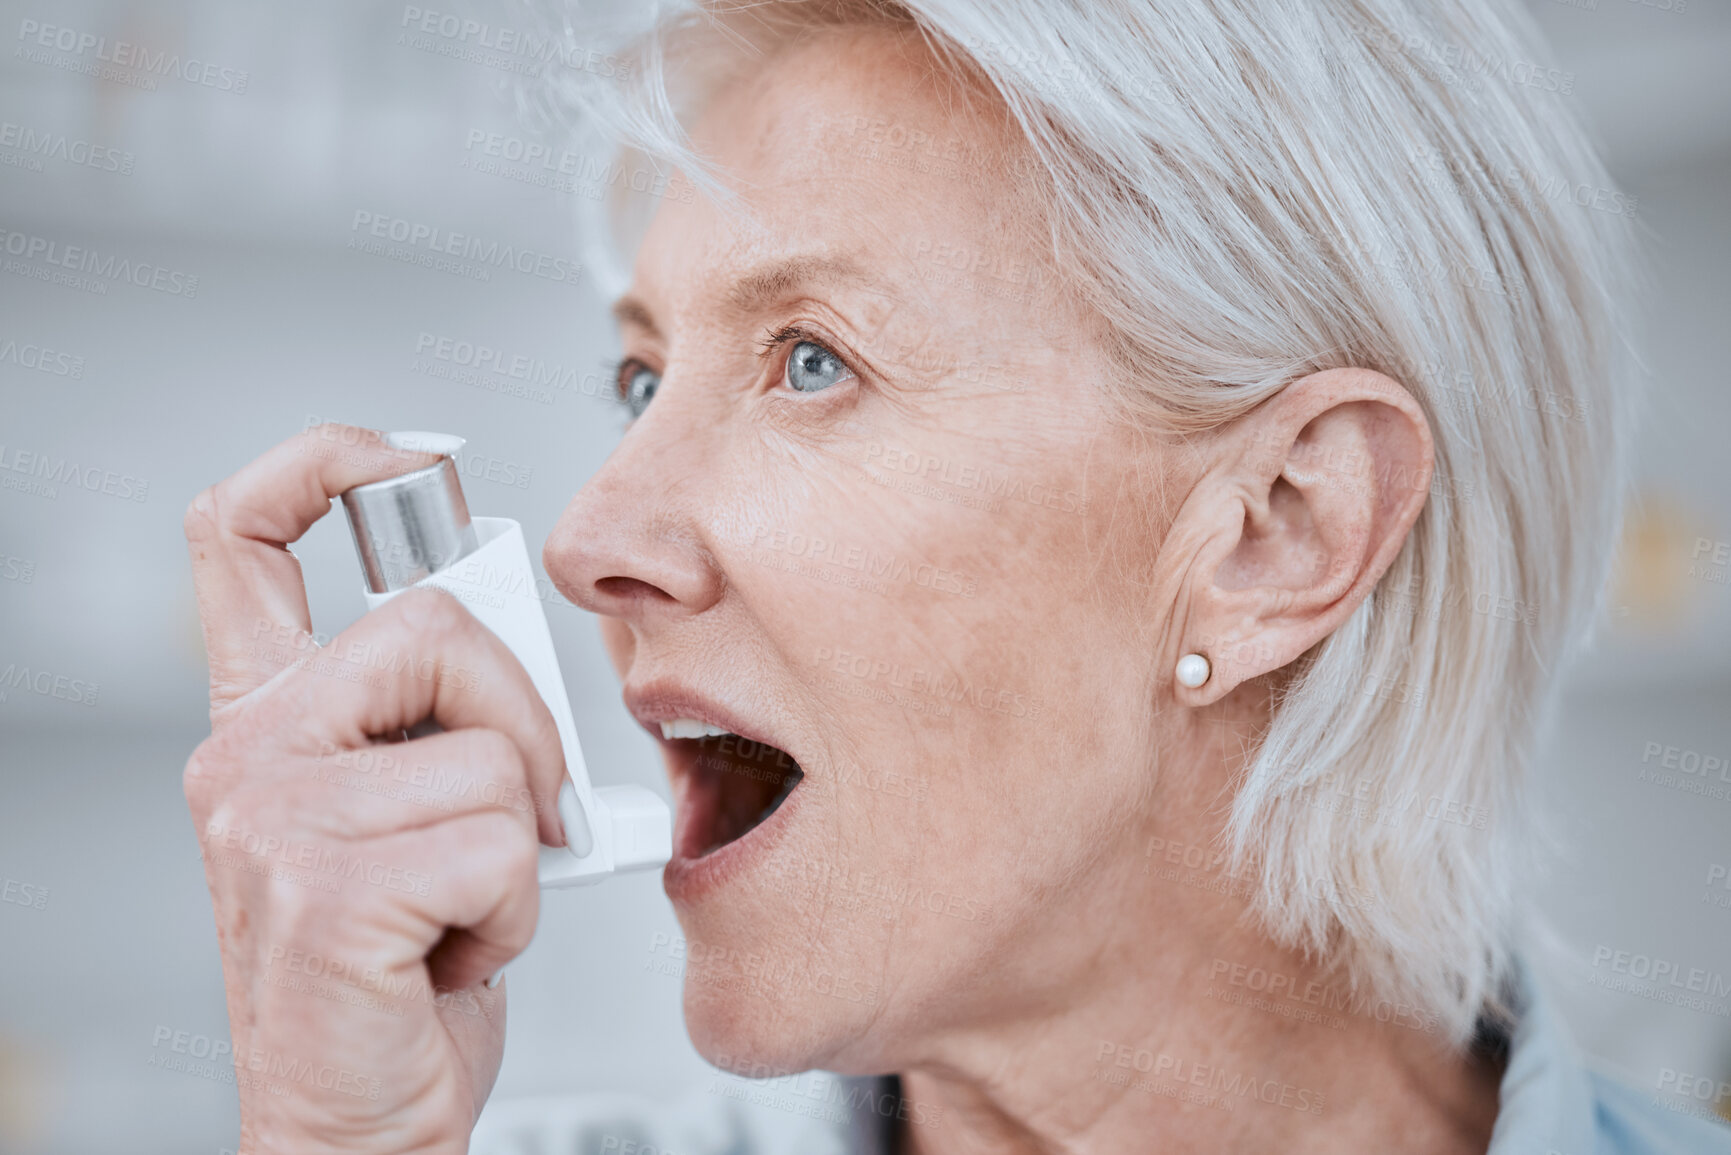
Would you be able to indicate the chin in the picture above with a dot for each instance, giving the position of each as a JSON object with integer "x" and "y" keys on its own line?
{"x": 782, "y": 974}
{"x": 768, "y": 993}
{"x": 743, "y": 1027}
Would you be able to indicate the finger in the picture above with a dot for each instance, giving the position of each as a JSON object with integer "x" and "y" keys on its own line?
{"x": 351, "y": 794}
{"x": 405, "y": 916}
{"x": 482, "y": 897}
{"x": 238, "y": 532}
{"x": 419, "y": 655}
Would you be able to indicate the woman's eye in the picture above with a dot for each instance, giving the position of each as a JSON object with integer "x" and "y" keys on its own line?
{"x": 811, "y": 367}
{"x": 637, "y": 383}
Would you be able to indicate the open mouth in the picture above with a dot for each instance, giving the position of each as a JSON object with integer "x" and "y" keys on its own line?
{"x": 729, "y": 784}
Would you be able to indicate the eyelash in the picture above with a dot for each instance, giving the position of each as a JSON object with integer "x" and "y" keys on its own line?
{"x": 616, "y": 374}
{"x": 775, "y": 339}
{"x": 771, "y": 341}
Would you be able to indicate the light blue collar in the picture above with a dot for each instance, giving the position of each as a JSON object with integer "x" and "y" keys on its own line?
{"x": 1547, "y": 1100}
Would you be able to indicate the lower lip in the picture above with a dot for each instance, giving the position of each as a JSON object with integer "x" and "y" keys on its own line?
{"x": 687, "y": 879}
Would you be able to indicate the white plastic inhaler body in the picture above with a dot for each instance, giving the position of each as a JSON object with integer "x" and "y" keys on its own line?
{"x": 415, "y": 530}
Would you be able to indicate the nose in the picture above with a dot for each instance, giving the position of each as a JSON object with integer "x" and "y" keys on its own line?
{"x": 630, "y": 545}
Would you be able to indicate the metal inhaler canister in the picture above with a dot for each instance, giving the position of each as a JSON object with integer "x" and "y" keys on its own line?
{"x": 410, "y": 527}
{"x": 415, "y": 530}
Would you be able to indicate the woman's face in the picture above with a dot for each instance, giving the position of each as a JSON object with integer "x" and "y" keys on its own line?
{"x": 875, "y": 515}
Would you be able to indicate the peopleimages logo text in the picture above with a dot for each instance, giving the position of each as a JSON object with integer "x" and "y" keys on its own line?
{"x": 465, "y": 247}
{"x": 48, "y": 684}
{"x": 80, "y": 259}
{"x": 122, "y": 54}
{"x": 58, "y": 146}
{"x": 40, "y": 358}
{"x": 67, "y": 471}
{"x": 512, "y": 49}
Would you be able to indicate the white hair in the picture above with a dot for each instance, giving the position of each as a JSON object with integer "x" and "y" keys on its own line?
{"x": 1247, "y": 191}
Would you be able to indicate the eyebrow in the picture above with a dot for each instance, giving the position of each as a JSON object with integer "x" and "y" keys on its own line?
{"x": 757, "y": 289}
{"x": 775, "y": 282}
{"x": 629, "y": 310}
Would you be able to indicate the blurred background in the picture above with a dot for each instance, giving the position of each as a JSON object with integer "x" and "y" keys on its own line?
{"x": 249, "y": 190}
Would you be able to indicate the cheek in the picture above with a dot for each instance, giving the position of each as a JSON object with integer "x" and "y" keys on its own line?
{"x": 925, "y": 600}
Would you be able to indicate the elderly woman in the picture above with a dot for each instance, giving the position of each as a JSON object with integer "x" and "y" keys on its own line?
{"x": 1136, "y": 468}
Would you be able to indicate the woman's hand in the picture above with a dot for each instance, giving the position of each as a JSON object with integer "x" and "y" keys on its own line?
{"x": 364, "y": 887}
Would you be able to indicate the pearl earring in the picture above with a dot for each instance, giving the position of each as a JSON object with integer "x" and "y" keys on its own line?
{"x": 1193, "y": 670}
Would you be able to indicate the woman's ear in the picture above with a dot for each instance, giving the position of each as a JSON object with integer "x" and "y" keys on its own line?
{"x": 1304, "y": 504}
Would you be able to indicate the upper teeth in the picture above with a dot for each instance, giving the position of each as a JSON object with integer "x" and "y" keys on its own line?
{"x": 690, "y": 728}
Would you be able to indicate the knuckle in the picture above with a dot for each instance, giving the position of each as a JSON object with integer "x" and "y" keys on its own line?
{"x": 519, "y": 863}
{"x": 425, "y": 610}
{"x": 231, "y": 820}
{"x": 339, "y": 432}
{"x": 519, "y": 851}
{"x": 509, "y": 847}
{"x": 209, "y": 776}
{"x": 299, "y": 915}
{"x": 495, "y": 752}
{"x": 199, "y": 523}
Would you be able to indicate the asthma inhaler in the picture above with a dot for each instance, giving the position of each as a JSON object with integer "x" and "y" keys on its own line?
{"x": 415, "y": 530}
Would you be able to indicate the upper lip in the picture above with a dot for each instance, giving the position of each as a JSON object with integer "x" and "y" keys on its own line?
{"x": 663, "y": 700}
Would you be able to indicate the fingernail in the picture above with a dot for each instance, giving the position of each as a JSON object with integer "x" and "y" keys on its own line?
{"x": 573, "y": 821}
{"x": 419, "y": 441}
{"x": 494, "y": 981}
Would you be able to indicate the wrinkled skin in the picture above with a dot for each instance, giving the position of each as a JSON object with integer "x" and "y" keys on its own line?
{"x": 878, "y": 513}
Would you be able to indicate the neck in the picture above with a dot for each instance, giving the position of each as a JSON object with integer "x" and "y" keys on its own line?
{"x": 1206, "y": 1041}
